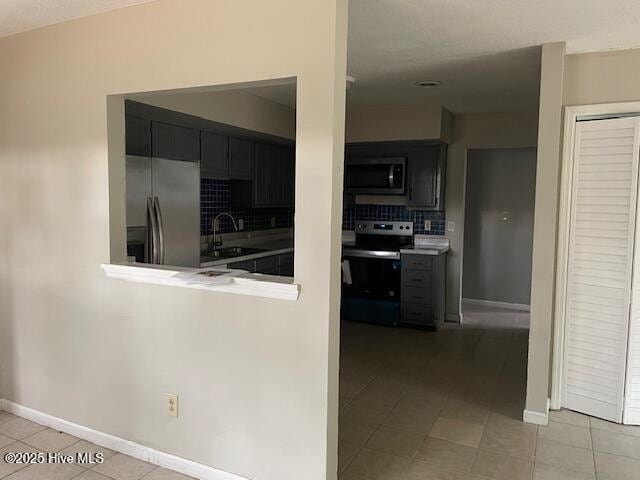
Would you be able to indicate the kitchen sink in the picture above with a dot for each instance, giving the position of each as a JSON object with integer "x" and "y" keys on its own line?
{"x": 230, "y": 252}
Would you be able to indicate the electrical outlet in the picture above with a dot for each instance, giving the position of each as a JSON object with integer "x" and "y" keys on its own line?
{"x": 172, "y": 404}
{"x": 273, "y": 221}
{"x": 241, "y": 224}
{"x": 451, "y": 226}
{"x": 427, "y": 225}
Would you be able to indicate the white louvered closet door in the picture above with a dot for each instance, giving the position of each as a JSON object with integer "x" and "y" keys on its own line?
{"x": 602, "y": 231}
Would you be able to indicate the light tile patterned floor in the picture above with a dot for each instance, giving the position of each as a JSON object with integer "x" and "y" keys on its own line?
{"x": 414, "y": 405}
{"x": 447, "y": 405}
{"x": 20, "y": 435}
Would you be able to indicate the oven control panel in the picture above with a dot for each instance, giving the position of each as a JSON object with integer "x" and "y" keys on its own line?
{"x": 385, "y": 228}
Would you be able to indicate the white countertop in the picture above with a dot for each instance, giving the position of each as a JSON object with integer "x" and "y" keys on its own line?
{"x": 274, "y": 242}
{"x": 244, "y": 258}
{"x": 427, "y": 245}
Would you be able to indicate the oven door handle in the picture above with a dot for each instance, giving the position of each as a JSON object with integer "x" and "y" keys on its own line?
{"x": 391, "y": 175}
{"x": 381, "y": 254}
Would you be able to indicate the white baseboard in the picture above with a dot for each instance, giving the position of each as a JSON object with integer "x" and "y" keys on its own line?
{"x": 491, "y": 303}
{"x": 453, "y": 317}
{"x": 156, "y": 457}
{"x": 536, "y": 418}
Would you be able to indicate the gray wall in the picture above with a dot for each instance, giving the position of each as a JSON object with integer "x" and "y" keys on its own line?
{"x": 497, "y": 252}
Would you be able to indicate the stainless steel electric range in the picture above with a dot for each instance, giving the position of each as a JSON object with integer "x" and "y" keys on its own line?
{"x": 371, "y": 272}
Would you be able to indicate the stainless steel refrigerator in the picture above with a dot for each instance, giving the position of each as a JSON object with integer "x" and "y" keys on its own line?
{"x": 163, "y": 211}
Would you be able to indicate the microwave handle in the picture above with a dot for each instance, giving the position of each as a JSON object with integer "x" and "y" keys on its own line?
{"x": 391, "y": 175}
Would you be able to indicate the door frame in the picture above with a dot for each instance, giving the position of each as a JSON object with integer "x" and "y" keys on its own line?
{"x": 571, "y": 115}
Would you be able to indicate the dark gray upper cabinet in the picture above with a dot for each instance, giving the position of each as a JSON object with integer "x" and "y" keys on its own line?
{"x": 288, "y": 159}
{"x": 214, "y": 155}
{"x": 138, "y": 135}
{"x": 426, "y": 177}
{"x": 273, "y": 178}
{"x": 175, "y": 142}
{"x": 240, "y": 158}
{"x": 266, "y": 155}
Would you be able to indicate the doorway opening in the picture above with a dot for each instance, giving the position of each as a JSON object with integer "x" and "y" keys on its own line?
{"x": 498, "y": 237}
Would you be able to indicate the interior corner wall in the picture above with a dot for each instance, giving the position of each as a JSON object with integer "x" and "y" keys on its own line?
{"x": 257, "y": 378}
{"x": 475, "y": 131}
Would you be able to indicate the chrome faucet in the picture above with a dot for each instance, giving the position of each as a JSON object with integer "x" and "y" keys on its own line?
{"x": 214, "y": 224}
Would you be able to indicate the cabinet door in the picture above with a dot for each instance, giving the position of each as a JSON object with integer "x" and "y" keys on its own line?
{"x": 264, "y": 155}
{"x": 175, "y": 142}
{"x": 275, "y": 182}
{"x": 289, "y": 176}
{"x": 214, "y": 161}
{"x": 240, "y": 158}
{"x": 423, "y": 174}
{"x": 137, "y": 136}
{"x": 267, "y": 265}
{"x": 249, "y": 265}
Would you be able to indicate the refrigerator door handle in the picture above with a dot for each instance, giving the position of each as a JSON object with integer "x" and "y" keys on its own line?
{"x": 160, "y": 227}
{"x": 153, "y": 233}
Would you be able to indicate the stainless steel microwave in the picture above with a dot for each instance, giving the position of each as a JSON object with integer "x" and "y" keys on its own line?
{"x": 379, "y": 175}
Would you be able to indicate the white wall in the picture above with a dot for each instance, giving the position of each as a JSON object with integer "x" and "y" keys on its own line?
{"x": 257, "y": 378}
{"x": 422, "y": 122}
{"x": 232, "y": 107}
{"x": 590, "y": 78}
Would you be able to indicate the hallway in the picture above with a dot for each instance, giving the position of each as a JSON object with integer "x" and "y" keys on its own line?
{"x": 447, "y": 405}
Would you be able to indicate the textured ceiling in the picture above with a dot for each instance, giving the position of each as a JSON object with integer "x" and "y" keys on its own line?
{"x": 22, "y": 15}
{"x": 485, "y": 51}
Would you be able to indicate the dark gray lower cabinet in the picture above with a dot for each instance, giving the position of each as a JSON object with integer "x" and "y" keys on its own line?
{"x": 423, "y": 289}
{"x": 272, "y": 265}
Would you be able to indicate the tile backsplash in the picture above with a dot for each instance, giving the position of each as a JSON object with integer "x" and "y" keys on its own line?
{"x": 397, "y": 213}
{"x": 215, "y": 198}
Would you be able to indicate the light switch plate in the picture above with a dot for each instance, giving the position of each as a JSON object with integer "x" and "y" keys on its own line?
{"x": 241, "y": 224}
{"x": 427, "y": 225}
{"x": 451, "y": 226}
{"x": 172, "y": 404}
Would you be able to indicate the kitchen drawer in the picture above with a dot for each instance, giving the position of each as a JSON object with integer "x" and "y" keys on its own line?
{"x": 417, "y": 278}
{"x": 417, "y": 262}
{"x": 416, "y": 294}
{"x": 417, "y": 313}
{"x": 267, "y": 264}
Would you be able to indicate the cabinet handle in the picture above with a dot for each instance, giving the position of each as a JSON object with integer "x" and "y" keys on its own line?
{"x": 416, "y": 297}
{"x": 417, "y": 280}
{"x": 231, "y": 160}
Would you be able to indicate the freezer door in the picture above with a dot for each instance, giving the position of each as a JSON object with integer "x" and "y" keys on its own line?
{"x": 176, "y": 192}
{"x": 138, "y": 185}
